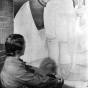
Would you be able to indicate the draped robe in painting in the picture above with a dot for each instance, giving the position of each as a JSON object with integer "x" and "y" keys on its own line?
{"x": 35, "y": 41}
{"x": 82, "y": 47}
{"x": 60, "y": 24}
{"x": 63, "y": 24}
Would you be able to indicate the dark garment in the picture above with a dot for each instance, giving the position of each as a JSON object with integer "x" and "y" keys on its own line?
{"x": 16, "y": 74}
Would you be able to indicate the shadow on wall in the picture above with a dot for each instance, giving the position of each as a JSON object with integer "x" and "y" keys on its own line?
{"x": 66, "y": 86}
{"x": 48, "y": 65}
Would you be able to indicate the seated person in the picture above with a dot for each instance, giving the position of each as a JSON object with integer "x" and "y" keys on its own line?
{"x": 15, "y": 72}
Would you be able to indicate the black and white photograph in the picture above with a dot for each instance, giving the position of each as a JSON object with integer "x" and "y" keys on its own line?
{"x": 43, "y": 43}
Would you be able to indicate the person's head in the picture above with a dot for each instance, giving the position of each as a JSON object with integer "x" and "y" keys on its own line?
{"x": 15, "y": 45}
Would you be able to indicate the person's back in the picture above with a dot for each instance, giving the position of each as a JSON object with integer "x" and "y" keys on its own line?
{"x": 10, "y": 73}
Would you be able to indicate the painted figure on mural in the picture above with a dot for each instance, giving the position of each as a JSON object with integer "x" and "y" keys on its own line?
{"x": 61, "y": 16}
{"x": 71, "y": 39}
{"x": 63, "y": 31}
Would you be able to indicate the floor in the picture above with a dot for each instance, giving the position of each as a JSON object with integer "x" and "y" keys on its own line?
{"x": 74, "y": 84}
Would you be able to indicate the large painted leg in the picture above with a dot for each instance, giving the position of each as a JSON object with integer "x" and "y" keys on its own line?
{"x": 73, "y": 68}
{"x": 64, "y": 55}
{"x": 74, "y": 52}
{"x": 53, "y": 50}
{"x": 65, "y": 59}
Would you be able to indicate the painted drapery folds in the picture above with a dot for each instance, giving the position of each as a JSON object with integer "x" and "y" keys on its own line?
{"x": 68, "y": 25}
{"x": 35, "y": 41}
{"x": 64, "y": 39}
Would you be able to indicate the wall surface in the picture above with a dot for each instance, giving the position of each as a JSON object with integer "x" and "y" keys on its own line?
{"x": 6, "y": 25}
{"x": 2, "y": 55}
{"x": 6, "y": 19}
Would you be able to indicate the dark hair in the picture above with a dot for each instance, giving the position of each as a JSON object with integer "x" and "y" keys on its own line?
{"x": 14, "y": 44}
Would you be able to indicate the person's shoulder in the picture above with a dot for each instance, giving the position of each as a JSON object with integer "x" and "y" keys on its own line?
{"x": 13, "y": 64}
{"x": 12, "y": 61}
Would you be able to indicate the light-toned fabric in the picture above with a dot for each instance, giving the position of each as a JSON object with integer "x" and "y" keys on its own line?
{"x": 71, "y": 32}
{"x": 59, "y": 19}
{"x": 60, "y": 24}
{"x": 82, "y": 54}
{"x": 79, "y": 65}
{"x": 35, "y": 41}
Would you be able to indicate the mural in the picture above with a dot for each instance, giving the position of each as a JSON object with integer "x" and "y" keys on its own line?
{"x": 64, "y": 39}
